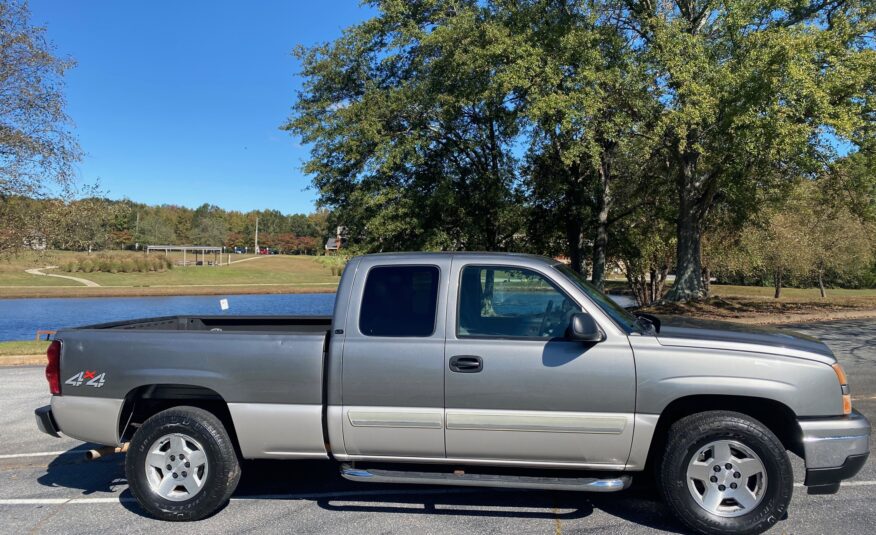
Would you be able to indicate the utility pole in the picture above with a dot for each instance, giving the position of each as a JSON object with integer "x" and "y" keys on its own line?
{"x": 257, "y": 236}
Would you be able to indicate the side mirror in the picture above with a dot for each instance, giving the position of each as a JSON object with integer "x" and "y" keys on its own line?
{"x": 583, "y": 328}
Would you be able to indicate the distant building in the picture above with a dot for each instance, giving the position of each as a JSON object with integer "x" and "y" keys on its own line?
{"x": 337, "y": 242}
{"x": 35, "y": 241}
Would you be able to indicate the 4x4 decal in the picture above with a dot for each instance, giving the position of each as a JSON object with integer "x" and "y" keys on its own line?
{"x": 90, "y": 378}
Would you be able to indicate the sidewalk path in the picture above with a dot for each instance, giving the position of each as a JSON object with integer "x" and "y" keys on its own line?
{"x": 39, "y": 271}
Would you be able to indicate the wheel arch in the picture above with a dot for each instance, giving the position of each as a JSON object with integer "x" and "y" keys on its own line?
{"x": 775, "y": 415}
{"x": 147, "y": 400}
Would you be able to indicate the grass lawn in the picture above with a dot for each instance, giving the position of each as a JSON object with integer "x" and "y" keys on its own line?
{"x": 30, "y": 353}
{"x": 23, "y": 348}
{"x": 246, "y": 274}
{"x": 838, "y": 295}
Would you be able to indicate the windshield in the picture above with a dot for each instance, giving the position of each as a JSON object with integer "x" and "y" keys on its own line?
{"x": 619, "y": 314}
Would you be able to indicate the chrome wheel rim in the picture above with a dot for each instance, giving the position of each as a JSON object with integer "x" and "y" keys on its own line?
{"x": 176, "y": 467}
{"x": 726, "y": 478}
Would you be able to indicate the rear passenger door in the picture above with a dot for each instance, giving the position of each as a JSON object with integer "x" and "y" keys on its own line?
{"x": 393, "y": 360}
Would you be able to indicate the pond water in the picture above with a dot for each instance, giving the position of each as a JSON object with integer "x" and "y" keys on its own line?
{"x": 20, "y": 318}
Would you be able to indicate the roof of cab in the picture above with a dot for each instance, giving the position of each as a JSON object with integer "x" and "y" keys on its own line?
{"x": 467, "y": 254}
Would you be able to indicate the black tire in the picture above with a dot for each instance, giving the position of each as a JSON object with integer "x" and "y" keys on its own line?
{"x": 688, "y": 436}
{"x": 219, "y": 482}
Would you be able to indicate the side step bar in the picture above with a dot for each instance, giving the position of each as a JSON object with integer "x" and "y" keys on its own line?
{"x": 581, "y": 484}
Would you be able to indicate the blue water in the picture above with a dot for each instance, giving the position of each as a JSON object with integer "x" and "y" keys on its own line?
{"x": 20, "y": 318}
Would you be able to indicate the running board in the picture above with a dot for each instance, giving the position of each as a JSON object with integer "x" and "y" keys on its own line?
{"x": 580, "y": 484}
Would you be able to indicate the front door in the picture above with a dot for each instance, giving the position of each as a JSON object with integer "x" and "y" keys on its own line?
{"x": 393, "y": 360}
{"x": 516, "y": 389}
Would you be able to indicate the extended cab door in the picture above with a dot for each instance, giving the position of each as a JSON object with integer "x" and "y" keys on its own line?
{"x": 516, "y": 389}
{"x": 393, "y": 358}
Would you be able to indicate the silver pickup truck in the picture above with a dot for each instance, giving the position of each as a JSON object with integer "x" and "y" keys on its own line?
{"x": 479, "y": 369}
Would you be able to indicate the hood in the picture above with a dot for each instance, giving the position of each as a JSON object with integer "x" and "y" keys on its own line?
{"x": 687, "y": 332}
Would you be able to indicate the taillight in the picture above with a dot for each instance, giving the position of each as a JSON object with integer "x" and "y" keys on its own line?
{"x": 53, "y": 367}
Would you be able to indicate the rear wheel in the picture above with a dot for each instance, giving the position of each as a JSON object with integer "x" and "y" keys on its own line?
{"x": 181, "y": 464}
{"x": 724, "y": 472}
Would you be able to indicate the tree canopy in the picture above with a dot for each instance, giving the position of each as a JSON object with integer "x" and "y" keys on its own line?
{"x": 600, "y": 130}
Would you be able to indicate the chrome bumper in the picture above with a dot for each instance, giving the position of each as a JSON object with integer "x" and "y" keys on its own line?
{"x": 834, "y": 449}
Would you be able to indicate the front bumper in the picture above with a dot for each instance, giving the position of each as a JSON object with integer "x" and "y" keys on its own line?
{"x": 835, "y": 449}
{"x": 46, "y": 421}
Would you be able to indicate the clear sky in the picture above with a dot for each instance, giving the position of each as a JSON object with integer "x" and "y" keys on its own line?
{"x": 181, "y": 102}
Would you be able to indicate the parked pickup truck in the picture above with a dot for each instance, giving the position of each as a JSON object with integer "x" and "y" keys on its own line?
{"x": 479, "y": 369}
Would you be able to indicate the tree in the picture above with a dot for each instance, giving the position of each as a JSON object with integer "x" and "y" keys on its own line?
{"x": 37, "y": 149}
{"x": 208, "y": 226}
{"x": 88, "y": 223}
{"x": 587, "y": 94}
{"x": 842, "y": 243}
{"x": 748, "y": 90}
{"x": 412, "y": 130}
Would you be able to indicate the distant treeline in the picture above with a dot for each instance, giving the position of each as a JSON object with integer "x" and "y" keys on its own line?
{"x": 95, "y": 223}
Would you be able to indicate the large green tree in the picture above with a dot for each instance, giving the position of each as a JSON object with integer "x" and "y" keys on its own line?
{"x": 587, "y": 95}
{"x": 412, "y": 127}
{"x": 754, "y": 93}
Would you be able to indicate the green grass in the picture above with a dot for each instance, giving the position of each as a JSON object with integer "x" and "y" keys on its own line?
{"x": 23, "y": 348}
{"x": 808, "y": 294}
{"x": 267, "y": 270}
{"x": 272, "y": 273}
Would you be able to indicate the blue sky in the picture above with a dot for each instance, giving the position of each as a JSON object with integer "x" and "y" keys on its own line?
{"x": 181, "y": 102}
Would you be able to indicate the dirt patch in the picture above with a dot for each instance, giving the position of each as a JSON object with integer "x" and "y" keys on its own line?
{"x": 22, "y": 360}
{"x": 762, "y": 311}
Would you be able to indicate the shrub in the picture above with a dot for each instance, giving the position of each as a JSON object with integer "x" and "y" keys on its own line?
{"x": 86, "y": 266}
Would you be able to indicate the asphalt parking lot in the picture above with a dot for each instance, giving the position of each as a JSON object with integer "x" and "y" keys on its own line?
{"x": 47, "y": 486}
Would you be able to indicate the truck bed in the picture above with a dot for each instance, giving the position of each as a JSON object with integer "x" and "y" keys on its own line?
{"x": 280, "y": 324}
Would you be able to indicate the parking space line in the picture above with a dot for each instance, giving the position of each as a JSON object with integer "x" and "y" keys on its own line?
{"x": 40, "y": 454}
{"x": 306, "y": 496}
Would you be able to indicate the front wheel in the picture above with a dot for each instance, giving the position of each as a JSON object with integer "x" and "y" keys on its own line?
{"x": 724, "y": 472}
{"x": 181, "y": 464}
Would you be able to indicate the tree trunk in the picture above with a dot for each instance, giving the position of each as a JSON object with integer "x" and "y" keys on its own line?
{"x": 778, "y": 284}
{"x": 695, "y": 195}
{"x": 574, "y": 237}
{"x": 487, "y": 294}
{"x": 598, "y": 277}
{"x": 707, "y": 281}
{"x": 600, "y": 243}
{"x": 821, "y": 284}
{"x": 688, "y": 284}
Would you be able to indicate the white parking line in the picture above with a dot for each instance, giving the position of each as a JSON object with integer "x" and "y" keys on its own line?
{"x": 40, "y": 454}
{"x": 304, "y": 496}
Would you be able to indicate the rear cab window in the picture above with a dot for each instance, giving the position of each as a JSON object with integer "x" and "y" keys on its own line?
{"x": 399, "y": 301}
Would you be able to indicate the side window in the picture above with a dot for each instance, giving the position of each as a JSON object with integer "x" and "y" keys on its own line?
{"x": 511, "y": 303}
{"x": 399, "y": 301}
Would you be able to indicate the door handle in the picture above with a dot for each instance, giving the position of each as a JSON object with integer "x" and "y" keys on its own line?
{"x": 466, "y": 364}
